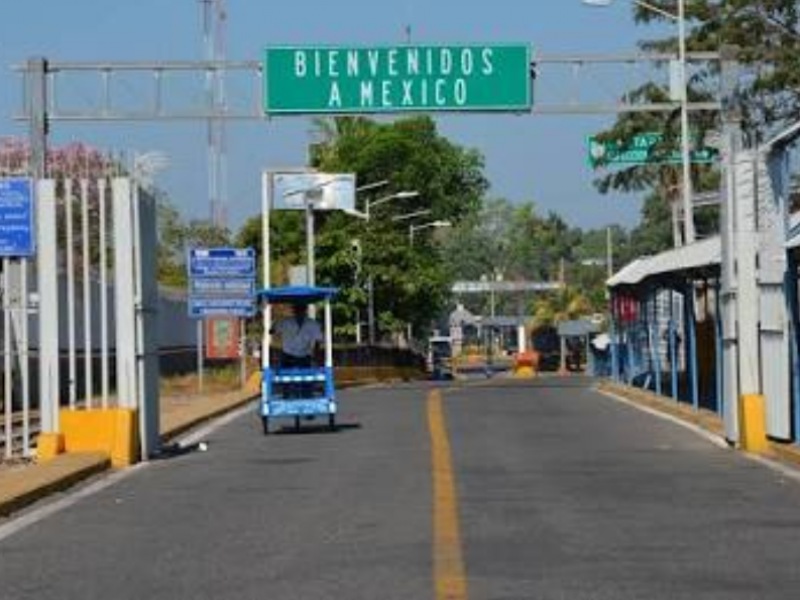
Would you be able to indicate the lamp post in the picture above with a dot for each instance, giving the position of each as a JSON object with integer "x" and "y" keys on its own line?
{"x": 680, "y": 20}
{"x": 411, "y": 230}
{"x": 310, "y": 196}
{"x": 367, "y": 216}
{"x": 490, "y": 280}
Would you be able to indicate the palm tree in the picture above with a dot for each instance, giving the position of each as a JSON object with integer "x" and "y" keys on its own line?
{"x": 566, "y": 304}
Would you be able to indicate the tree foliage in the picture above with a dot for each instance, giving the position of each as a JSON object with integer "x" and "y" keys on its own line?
{"x": 411, "y": 284}
{"x": 767, "y": 36}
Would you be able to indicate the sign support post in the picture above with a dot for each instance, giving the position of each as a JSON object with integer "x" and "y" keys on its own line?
{"x": 200, "y": 354}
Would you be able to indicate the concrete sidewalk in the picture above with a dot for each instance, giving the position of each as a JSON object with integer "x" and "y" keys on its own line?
{"x": 23, "y": 484}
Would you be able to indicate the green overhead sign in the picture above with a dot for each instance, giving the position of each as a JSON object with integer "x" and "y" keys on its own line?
{"x": 383, "y": 79}
{"x": 642, "y": 149}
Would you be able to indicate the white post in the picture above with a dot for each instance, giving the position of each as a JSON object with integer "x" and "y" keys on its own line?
{"x": 747, "y": 301}
{"x": 522, "y": 345}
{"x": 87, "y": 295}
{"x": 688, "y": 215}
{"x": 47, "y": 275}
{"x": 8, "y": 365}
{"x": 104, "y": 362}
{"x": 266, "y": 339}
{"x": 311, "y": 276}
{"x": 73, "y": 383}
{"x": 200, "y": 351}
{"x": 328, "y": 334}
{"x": 124, "y": 293}
{"x": 24, "y": 357}
{"x": 243, "y": 352}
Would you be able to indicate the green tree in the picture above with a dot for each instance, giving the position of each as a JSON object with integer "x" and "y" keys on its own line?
{"x": 766, "y": 32}
{"x": 411, "y": 283}
{"x": 176, "y": 237}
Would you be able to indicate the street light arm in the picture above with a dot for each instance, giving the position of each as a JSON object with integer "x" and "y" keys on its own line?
{"x": 656, "y": 9}
{"x": 418, "y": 213}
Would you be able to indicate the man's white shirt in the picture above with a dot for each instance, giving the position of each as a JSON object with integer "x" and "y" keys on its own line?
{"x": 298, "y": 340}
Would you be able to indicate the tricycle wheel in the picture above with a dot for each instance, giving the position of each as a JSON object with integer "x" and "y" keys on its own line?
{"x": 265, "y": 425}
{"x": 332, "y": 422}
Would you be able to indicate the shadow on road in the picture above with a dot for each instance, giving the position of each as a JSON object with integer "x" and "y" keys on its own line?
{"x": 314, "y": 429}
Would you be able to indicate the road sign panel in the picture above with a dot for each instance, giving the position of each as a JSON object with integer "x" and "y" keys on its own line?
{"x": 224, "y": 287}
{"x": 16, "y": 217}
{"x": 221, "y": 307}
{"x": 640, "y": 150}
{"x": 222, "y": 282}
{"x": 342, "y": 79}
{"x": 222, "y": 262}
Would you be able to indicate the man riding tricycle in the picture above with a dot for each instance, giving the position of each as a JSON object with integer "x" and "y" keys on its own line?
{"x": 294, "y": 385}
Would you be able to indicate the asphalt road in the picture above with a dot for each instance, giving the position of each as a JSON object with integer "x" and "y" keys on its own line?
{"x": 560, "y": 493}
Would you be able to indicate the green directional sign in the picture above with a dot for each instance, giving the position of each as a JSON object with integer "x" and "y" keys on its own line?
{"x": 642, "y": 149}
{"x": 383, "y": 79}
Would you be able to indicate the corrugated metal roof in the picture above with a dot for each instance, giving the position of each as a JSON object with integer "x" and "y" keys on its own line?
{"x": 705, "y": 253}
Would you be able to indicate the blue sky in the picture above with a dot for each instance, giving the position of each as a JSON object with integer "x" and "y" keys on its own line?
{"x": 528, "y": 158}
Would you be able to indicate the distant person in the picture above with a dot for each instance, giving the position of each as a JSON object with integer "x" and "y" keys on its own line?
{"x": 300, "y": 336}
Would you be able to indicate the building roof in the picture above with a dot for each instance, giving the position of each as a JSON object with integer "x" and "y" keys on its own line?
{"x": 705, "y": 253}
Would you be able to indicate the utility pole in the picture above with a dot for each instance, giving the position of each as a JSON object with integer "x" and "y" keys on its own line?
{"x": 214, "y": 18}
{"x": 609, "y": 251}
{"x": 686, "y": 164}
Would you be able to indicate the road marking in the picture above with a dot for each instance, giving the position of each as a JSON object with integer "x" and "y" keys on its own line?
{"x": 448, "y": 565}
{"x": 16, "y": 524}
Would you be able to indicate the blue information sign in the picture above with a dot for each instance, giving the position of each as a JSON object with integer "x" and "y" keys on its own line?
{"x": 222, "y": 282}
{"x": 221, "y": 307}
{"x": 222, "y": 262}
{"x": 16, "y": 217}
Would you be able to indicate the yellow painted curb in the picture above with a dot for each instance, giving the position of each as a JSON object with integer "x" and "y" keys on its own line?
{"x": 113, "y": 431}
{"x": 752, "y": 423}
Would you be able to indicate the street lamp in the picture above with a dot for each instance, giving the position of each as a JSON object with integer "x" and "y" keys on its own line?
{"x": 398, "y": 196}
{"x": 680, "y": 19}
{"x": 367, "y": 217}
{"x": 412, "y": 215}
{"x": 370, "y": 204}
{"x": 432, "y": 225}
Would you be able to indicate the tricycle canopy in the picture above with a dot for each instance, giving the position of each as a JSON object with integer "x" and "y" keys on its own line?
{"x": 296, "y": 294}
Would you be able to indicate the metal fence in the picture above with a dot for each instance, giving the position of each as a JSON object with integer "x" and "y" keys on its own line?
{"x": 60, "y": 327}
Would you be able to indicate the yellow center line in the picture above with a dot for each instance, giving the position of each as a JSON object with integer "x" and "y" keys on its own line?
{"x": 448, "y": 564}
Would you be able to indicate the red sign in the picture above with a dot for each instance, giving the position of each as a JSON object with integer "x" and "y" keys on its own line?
{"x": 626, "y": 308}
{"x": 222, "y": 338}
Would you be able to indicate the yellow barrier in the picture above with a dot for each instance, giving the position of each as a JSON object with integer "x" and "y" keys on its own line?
{"x": 111, "y": 431}
{"x": 526, "y": 365}
{"x": 49, "y": 445}
{"x": 752, "y": 423}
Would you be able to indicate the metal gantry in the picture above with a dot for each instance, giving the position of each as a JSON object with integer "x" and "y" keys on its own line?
{"x": 107, "y": 91}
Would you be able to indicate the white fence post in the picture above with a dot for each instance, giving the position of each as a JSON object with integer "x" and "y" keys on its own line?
{"x": 47, "y": 281}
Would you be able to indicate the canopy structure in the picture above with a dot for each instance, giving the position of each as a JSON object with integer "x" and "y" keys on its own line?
{"x": 296, "y": 294}
{"x": 706, "y": 253}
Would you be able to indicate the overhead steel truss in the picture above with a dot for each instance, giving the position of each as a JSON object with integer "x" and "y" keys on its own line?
{"x": 177, "y": 90}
